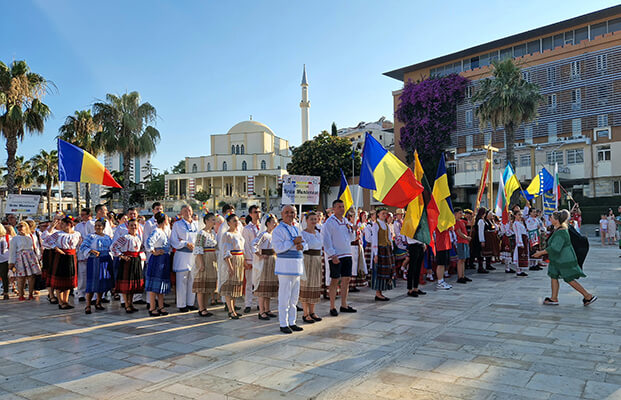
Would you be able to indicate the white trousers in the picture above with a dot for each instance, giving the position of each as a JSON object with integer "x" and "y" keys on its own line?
{"x": 185, "y": 297}
{"x": 248, "y": 296}
{"x": 288, "y": 293}
{"x": 82, "y": 278}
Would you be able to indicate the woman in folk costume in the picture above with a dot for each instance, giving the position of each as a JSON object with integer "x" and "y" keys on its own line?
{"x": 367, "y": 234}
{"x": 264, "y": 280}
{"x": 206, "y": 269}
{"x": 532, "y": 227}
{"x": 478, "y": 242}
{"x": 231, "y": 275}
{"x": 490, "y": 245}
{"x": 128, "y": 247}
{"x": 520, "y": 254}
{"x": 5, "y": 240}
{"x": 310, "y": 283}
{"x": 157, "y": 272}
{"x": 383, "y": 259}
{"x": 507, "y": 244}
{"x": 63, "y": 272}
{"x": 563, "y": 260}
{"x": 96, "y": 249}
{"x": 23, "y": 260}
{"x": 47, "y": 255}
{"x": 359, "y": 266}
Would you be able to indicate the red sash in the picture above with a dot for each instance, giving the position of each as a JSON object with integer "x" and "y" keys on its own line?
{"x": 70, "y": 252}
{"x": 131, "y": 253}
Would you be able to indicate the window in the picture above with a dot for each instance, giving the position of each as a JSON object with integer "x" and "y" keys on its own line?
{"x": 602, "y": 120}
{"x": 614, "y": 25}
{"x": 194, "y": 168}
{"x": 469, "y": 140}
{"x": 597, "y": 30}
{"x": 208, "y": 166}
{"x": 224, "y": 166}
{"x": 242, "y": 149}
{"x": 576, "y": 127}
{"x": 519, "y": 50}
{"x": 603, "y": 153}
{"x": 551, "y": 72}
{"x": 526, "y": 76}
{"x": 468, "y": 118}
{"x": 528, "y": 134}
{"x": 616, "y": 187}
{"x": 558, "y": 40}
{"x": 244, "y": 165}
{"x": 525, "y": 160}
{"x": 533, "y": 47}
{"x": 602, "y": 95}
{"x": 575, "y": 156}
{"x": 232, "y": 149}
{"x": 552, "y": 101}
{"x": 237, "y": 149}
{"x": 474, "y": 62}
{"x": 380, "y": 137}
{"x": 569, "y": 37}
{"x": 581, "y": 34}
{"x": 263, "y": 164}
{"x": 506, "y": 53}
{"x": 576, "y": 99}
{"x": 469, "y": 90}
{"x": 486, "y": 137}
{"x": 575, "y": 69}
{"x": 551, "y": 131}
{"x": 601, "y": 62}
{"x": 547, "y": 43}
{"x": 553, "y": 157}
{"x": 602, "y": 133}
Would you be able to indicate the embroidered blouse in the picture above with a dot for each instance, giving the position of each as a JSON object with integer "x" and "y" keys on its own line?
{"x": 230, "y": 242}
{"x": 126, "y": 243}
{"x": 95, "y": 242}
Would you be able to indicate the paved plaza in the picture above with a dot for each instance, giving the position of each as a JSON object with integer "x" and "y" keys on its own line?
{"x": 490, "y": 339}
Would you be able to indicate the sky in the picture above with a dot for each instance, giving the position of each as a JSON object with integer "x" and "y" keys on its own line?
{"x": 207, "y": 65}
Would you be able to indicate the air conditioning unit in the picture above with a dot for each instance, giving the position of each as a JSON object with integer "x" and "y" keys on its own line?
{"x": 496, "y": 161}
{"x": 519, "y": 145}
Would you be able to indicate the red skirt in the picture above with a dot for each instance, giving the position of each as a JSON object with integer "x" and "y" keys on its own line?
{"x": 492, "y": 245}
{"x": 62, "y": 274}
{"x": 129, "y": 278}
{"x": 523, "y": 253}
{"x": 47, "y": 259}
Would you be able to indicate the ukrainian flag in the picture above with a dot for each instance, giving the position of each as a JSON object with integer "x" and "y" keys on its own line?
{"x": 442, "y": 196}
{"x": 77, "y": 165}
{"x": 511, "y": 181}
{"x": 391, "y": 180}
{"x": 345, "y": 193}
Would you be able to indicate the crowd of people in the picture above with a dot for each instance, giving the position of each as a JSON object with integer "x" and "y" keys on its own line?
{"x": 609, "y": 227}
{"x": 293, "y": 260}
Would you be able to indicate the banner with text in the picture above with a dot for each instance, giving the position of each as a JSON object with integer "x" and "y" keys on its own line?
{"x": 22, "y": 204}
{"x": 299, "y": 189}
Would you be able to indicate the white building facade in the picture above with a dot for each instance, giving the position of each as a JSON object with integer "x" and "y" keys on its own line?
{"x": 381, "y": 130}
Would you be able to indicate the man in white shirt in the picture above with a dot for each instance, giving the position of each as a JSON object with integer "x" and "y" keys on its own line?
{"x": 337, "y": 235}
{"x": 85, "y": 227}
{"x": 182, "y": 238}
{"x": 288, "y": 244}
{"x": 249, "y": 233}
{"x": 150, "y": 225}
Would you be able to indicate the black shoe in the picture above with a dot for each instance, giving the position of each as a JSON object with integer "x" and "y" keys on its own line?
{"x": 413, "y": 294}
{"x": 82, "y": 299}
{"x": 162, "y": 312}
{"x": 192, "y": 308}
{"x": 87, "y": 310}
{"x": 204, "y": 313}
{"x": 462, "y": 280}
{"x": 509, "y": 271}
{"x": 129, "y": 310}
{"x": 184, "y": 309}
{"x": 347, "y": 309}
{"x": 233, "y": 316}
{"x": 122, "y": 305}
{"x": 154, "y": 313}
{"x": 258, "y": 309}
{"x": 333, "y": 312}
{"x": 421, "y": 293}
{"x": 298, "y": 308}
{"x": 308, "y": 320}
{"x": 285, "y": 329}
{"x": 99, "y": 307}
{"x": 590, "y": 301}
{"x": 354, "y": 290}
{"x": 535, "y": 268}
{"x": 315, "y": 317}
{"x": 105, "y": 301}
{"x": 140, "y": 302}
{"x": 263, "y": 317}
{"x": 490, "y": 268}
{"x": 482, "y": 271}
{"x": 247, "y": 310}
{"x": 377, "y": 298}
{"x": 521, "y": 274}
{"x": 296, "y": 328}
{"x": 467, "y": 279}
{"x": 271, "y": 314}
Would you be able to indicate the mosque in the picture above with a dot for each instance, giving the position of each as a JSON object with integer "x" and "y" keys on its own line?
{"x": 245, "y": 166}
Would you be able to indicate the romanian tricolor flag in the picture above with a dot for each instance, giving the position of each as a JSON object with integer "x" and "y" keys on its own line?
{"x": 416, "y": 207}
{"x": 76, "y": 165}
{"x": 393, "y": 182}
{"x": 345, "y": 193}
{"x": 442, "y": 196}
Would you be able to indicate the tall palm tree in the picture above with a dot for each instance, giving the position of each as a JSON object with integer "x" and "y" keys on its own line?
{"x": 507, "y": 100}
{"x": 21, "y": 109}
{"x": 23, "y": 174}
{"x": 127, "y": 130}
{"x": 46, "y": 165}
{"x": 81, "y": 130}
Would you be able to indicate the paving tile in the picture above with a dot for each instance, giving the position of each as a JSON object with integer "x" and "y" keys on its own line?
{"x": 601, "y": 390}
{"x": 461, "y": 368}
{"x": 557, "y": 384}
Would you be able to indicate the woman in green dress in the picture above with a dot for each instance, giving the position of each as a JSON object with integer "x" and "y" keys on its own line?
{"x": 563, "y": 261}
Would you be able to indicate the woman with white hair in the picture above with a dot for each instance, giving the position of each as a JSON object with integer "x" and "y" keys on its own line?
{"x": 265, "y": 281}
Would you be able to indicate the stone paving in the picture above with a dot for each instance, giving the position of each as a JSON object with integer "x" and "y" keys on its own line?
{"x": 490, "y": 339}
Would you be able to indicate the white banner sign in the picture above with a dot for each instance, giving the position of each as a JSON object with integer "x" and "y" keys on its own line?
{"x": 22, "y": 204}
{"x": 299, "y": 189}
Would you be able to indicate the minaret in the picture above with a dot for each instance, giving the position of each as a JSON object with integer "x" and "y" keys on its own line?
{"x": 304, "y": 106}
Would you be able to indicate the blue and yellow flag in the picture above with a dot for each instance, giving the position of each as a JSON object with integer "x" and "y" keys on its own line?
{"x": 511, "y": 181}
{"x": 442, "y": 196}
{"x": 540, "y": 184}
{"x": 345, "y": 193}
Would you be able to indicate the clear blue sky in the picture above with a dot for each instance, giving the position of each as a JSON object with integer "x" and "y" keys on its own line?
{"x": 206, "y": 65}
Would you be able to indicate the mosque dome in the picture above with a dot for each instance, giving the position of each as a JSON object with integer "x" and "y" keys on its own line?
{"x": 249, "y": 127}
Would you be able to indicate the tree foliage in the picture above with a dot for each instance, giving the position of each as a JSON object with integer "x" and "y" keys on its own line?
{"x": 334, "y": 130}
{"x": 179, "y": 168}
{"x": 324, "y": 156}
{"x": 201, "y": 196}
{"x": 428, "y": 111}
{"x": 506, "y": 100}
{"x": 45, "y": 167}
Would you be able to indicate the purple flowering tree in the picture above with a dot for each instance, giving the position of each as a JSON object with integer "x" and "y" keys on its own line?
{"x": 428, "y": 111}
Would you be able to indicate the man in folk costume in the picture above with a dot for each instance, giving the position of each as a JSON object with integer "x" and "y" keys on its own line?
{"x": 151, "y": 225}
{"x": 249, "y": 233}
{"x": 122, "y": 230}
{"x": 85, "y": 227}
{"x": 182, "y": 238}
{"x": 532, "y": 227}
{"x": 288, "y": 244}
{"x": 337, "y": 235}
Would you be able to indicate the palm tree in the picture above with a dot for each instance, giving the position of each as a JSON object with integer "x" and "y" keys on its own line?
{"x": 507, "y": 100}
{"x": 81, "y": 130}
{"x": 23, "y": 174}
{"x": 46, "y": 165}
{"x": 126, "y": 130}
{"x": 21, "y": 109}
